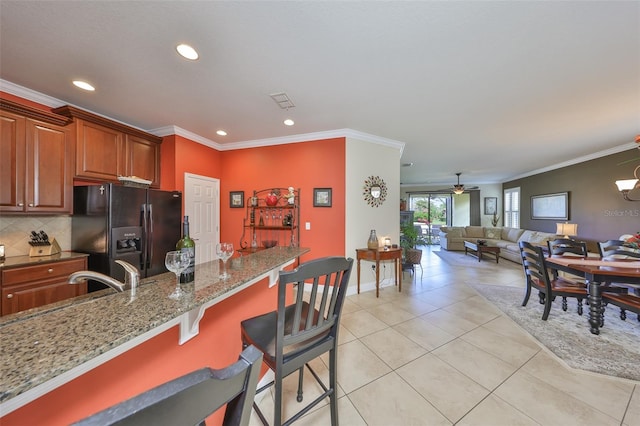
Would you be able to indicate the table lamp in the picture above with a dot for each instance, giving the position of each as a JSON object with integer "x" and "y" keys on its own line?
{"x": 567, "y": 229}
{"x": 387, "y": 243}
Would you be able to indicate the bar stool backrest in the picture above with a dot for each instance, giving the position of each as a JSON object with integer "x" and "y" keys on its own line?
{"x": 190, "y": 399}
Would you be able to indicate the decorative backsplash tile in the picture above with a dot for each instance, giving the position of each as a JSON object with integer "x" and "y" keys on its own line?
{"x": 15, "y": 232}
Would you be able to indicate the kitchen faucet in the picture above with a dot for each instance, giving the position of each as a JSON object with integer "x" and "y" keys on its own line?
{"x": 131, "y": 278}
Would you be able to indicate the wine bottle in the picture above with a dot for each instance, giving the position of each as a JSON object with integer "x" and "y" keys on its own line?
{"x": 186, "y": 244}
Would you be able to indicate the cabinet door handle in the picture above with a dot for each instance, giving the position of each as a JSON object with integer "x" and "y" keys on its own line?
{"x": 30, "y": 204}
{"x": 10, "y": 296}
{"x": 50, "y": 270}
{"x": 20, "y": 204}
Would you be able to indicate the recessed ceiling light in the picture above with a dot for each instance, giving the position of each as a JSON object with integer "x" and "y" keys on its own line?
{"x": 289, "y": 122}
{"x": 187, "y": 51}
{"x": 84, "y": 85}
{"x": 221, "y": 133}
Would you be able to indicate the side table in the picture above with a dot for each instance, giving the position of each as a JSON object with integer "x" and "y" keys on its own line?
{"x": 373, "y": 255}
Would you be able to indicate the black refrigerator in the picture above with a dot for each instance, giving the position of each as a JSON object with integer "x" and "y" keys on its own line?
{"x": 137, "y": 225}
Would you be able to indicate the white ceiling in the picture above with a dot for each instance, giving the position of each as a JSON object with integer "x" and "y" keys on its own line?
{"x": 493, "y": 89}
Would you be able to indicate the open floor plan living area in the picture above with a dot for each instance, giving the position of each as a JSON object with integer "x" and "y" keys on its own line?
{"x": 441, "y": 353}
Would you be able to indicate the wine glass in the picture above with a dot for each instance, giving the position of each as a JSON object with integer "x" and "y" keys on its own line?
{"x": 176, "y": 262}
{"x": 224, "y": 252}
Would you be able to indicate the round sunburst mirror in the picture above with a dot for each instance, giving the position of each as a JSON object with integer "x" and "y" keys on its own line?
{"x": 374, "y": 191}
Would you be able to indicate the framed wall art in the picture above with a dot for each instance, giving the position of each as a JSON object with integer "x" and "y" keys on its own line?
{"x": 236, "y": 199}
{"x": 490, "y": 205}
{"x": 321, "y": 197}
{"x": 550, "y": 206}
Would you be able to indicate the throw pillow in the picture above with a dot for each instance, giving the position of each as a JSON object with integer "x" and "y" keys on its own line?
{"x": 474, "y": 231}
{"x": 514, "y": 234}
{"x": 540, "y": 237}
{"x": 453, "y": 231}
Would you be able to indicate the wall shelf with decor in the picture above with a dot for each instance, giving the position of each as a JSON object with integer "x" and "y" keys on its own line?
{"x": 272, "y": 219}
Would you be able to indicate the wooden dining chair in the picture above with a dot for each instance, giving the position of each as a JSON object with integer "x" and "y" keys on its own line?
{"x": 616, "y": 249}
{"x": 537, "y": 276}
{"x": 190, "y": 399}
{"x": 626, "y": 302}
{"x": 566, "y": 247}
{"x": 300, "y": 331}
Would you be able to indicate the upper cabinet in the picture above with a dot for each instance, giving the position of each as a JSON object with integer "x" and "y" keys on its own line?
{"x": 106, "y": 149}
{"x": 36, "y": 160}
{"x": 100, "y": 151}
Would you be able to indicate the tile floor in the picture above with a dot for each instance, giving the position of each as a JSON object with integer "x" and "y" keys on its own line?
{"x": 439, "y": 354}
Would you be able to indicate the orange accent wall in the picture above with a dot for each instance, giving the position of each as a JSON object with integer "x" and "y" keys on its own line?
{"x": 168, "y": 163}
{"x": 304, "y": 165}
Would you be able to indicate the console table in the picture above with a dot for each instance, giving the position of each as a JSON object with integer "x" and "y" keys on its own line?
{"x": 373, "y": 255}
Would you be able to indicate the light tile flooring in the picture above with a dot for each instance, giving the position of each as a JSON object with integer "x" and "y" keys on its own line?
{"x": 439, "y": 354}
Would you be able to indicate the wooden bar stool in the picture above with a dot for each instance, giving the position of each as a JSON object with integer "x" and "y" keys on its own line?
{"x": 301, "y": 331}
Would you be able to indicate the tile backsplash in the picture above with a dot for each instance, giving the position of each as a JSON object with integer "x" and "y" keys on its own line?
{"x": 15, "y": 232}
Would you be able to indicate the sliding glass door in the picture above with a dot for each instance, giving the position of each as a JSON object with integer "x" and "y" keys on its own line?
{"x": 431, "y": 211}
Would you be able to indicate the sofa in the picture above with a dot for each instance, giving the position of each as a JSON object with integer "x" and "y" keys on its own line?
{"x": 453, "y": 237}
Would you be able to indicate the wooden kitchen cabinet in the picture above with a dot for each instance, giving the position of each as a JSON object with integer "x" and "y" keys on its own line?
{"x": 106, "y": 149}
{"x": 100, "y": 151}
{"x": 29, "y": 287}
{"x": 143, "y": 159}
{"x": 36, "y": 155}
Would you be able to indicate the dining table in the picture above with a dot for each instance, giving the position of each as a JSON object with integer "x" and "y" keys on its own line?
{"x": 598, "y": 273}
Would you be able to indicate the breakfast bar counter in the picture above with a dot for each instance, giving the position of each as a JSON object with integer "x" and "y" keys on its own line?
{"x": 45, "y": 348}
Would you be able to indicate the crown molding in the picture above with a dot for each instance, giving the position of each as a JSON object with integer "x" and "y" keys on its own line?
{"x": 29, "y": 94}
{"x": 178, "y": 131}
{"x": 307, "y": 137}
{"x": 595, "y": 155}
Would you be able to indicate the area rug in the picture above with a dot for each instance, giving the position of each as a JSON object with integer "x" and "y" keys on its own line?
{"x": 458, "y": 258}
{"x": 614, "y": 352}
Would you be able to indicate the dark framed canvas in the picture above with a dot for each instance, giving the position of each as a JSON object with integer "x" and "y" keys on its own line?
{"x": 321, "y": 197}
{"x": 550, "y": 206}
{"x": 236, "y": 199}
{"x": 490, "y": 205}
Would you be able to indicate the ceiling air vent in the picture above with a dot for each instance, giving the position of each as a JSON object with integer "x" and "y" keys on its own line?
{"x": 282, "y": 99}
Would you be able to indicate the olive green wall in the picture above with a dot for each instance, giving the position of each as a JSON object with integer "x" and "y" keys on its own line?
{"x": 594, "y": 201}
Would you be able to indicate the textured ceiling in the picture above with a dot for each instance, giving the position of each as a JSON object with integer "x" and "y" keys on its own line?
{"x": 491, "y": 89}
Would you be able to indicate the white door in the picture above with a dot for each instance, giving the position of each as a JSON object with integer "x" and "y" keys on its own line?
{"x": 202, "y": 205}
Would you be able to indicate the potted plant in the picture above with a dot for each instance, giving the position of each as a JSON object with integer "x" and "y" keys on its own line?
{"x": 409, "y": 239}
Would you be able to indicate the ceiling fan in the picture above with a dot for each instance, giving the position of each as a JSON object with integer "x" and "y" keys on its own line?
{"x": 459, "y": 188}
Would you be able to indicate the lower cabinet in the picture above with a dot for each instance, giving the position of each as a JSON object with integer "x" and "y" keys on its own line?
{"x": 29, "y": 287}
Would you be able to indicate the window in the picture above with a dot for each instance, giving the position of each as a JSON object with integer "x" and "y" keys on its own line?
{"x": 512, "y": 207}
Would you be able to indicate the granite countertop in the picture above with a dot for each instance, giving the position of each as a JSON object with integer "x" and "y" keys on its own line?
{"x": 17, "y": 261}
{"x": 41, "y": 344}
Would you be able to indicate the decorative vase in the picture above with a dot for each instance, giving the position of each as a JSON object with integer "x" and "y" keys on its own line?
{"x": 372, "y": 243}
{"x": 271, "y": 200}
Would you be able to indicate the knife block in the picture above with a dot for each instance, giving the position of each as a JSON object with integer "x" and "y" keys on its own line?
{"x": 52, "y": 248}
